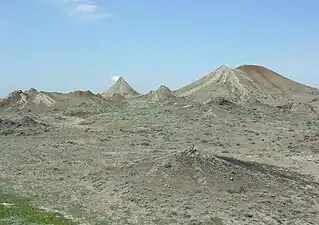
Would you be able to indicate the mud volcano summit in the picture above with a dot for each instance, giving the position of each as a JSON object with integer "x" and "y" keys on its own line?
{"x": 121, "y": 87}
{"x": 245, "y": 83}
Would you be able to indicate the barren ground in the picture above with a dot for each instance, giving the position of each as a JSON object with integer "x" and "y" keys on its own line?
{"x": 135, "y": 164}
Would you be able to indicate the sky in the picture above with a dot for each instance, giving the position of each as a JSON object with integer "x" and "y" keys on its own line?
{"x": 66, "y": 45}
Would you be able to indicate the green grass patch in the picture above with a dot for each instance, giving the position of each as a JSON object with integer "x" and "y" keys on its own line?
{"x": 17, "y": 211}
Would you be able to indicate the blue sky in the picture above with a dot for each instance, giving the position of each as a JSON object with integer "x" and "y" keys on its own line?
{"x": 65, "y": 45}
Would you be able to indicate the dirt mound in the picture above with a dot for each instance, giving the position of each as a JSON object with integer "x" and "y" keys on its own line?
{"x": 223, "y": 173}
{"x": 247, "y": 84}
{"x": 192, "y": 181}
{"x": 212, "y": 171}
{"x": 121, "y": 87}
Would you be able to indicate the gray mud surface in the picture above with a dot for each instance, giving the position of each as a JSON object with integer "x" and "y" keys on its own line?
{"x": 216, "y": 164}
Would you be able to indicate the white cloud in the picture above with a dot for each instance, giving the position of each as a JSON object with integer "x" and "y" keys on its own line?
{"x": 115, "y": 78}
{"x": 86, "y": 8}
{"x": 82, "y": 10}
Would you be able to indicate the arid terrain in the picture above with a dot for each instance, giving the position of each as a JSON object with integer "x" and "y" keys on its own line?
{"x": 239, "y": 146}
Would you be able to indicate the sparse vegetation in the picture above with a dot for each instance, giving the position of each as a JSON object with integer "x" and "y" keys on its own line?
{"x": 15, "y": 210}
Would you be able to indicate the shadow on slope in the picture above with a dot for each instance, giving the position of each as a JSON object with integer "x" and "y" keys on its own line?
{"x": 22, "y": 125}
{"x": 278, "y": 172}
{"x": 225, "y": 173}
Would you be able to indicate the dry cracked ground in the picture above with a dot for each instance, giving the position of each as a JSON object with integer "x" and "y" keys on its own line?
{"x": 167, "y": 164}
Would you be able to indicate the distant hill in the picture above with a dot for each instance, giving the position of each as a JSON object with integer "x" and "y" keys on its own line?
{"x": 121, "y": 87}
{"x": 242, "y": 85}
{"x": 248, "y": 83}
{"x": 39, "y": 101}
{"x": 163, "y": 95}
{"x": 269, "y": 80}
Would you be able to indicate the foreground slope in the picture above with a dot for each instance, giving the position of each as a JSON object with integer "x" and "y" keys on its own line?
{"x": 136, "y": 165}
{"x": 248, "y": 83}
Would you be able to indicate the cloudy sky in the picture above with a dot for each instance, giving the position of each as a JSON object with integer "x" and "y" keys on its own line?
{"x": 64, "y": 45}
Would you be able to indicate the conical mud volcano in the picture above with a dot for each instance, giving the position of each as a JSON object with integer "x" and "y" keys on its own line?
{"x": 121, "y": 87}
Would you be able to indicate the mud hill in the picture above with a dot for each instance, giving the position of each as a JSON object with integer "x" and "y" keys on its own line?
{"x": 121, "y": 87}
{"x": 39, "y": 101}
{"x": 162, "y": 94}
{"x": 26, "y": 100}
{"x": 248, "y": 83}
{"x": 269, "y": 80}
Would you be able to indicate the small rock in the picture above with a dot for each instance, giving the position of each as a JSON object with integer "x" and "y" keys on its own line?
{"x": 248, "y": 215}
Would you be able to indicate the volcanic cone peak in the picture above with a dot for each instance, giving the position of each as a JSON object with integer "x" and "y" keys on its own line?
{"x": 203, "y": 168}
{"x": 245, "y": 84}
{"x": 164, "y": 90}
{"x": 121, "y": 87}
{"x": 23, "y": 99}
{"x": 223, "y": 82}
{"x": 191, "y": 157}
{"x": 163, "y": 93}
